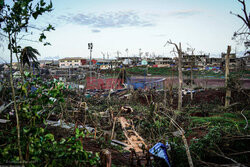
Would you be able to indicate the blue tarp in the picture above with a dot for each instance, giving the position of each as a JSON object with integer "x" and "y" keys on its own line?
{"x": 33, "y": 89}
{"x": 138, "y": 85}
{"x": 212, "y": 68}
{"x": 160, "y": 150}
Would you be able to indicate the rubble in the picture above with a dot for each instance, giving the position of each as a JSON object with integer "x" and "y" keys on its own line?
{"x": 63, "y": 124}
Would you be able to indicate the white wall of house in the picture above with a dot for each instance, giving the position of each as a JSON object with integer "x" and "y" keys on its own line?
{"x": 70, "y": 63}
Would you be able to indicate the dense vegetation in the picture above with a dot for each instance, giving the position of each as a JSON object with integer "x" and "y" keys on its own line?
{"x": 36, "y": 101}
{"x": 216, "y": 135}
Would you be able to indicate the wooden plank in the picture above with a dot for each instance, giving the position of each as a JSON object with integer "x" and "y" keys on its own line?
{"x": 4, "y": 121}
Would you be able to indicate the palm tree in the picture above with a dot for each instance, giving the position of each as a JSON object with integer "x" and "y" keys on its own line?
{"x": 27, "y": 54}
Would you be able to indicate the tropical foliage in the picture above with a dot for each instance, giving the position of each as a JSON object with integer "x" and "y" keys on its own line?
{"x": 29, "y": 54}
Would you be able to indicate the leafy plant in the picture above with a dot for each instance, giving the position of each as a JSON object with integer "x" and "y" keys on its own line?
{"x": 39, "y": 146}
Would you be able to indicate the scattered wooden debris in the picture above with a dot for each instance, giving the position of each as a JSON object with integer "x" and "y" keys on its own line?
{"x": 71, "y": 126}
{"x": 4, "y": 121}
{"x": 127, "y": 109}
{"x": 134, "y": 139}
{"x": 3, "y": 107}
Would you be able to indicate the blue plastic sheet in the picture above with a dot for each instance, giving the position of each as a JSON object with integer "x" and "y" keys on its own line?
{"x": 160, "y": 150}
{"x": 33, "y": 89}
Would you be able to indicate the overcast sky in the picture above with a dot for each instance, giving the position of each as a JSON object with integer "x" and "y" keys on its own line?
{"x": 114, "y": 25}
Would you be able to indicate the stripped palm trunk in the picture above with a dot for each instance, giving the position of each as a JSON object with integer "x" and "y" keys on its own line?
{"x": 228, "y": 90}
{"x": 180, "y": 78}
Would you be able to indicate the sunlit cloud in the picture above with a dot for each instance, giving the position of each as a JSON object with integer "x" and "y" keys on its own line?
{"x": 185, "y": 13}
{"x": 108, "y": 19}
{"x": 95, "y": 30}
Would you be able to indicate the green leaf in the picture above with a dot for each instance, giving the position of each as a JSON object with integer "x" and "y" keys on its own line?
{"x": 42, "y": 3}
{"x": 47, "y": 43}
{"x": 42, "y": 37}
{"x": 13, "y": 40}
{"x": 50, "y": 136}
{"x": 50, "y": 27}
{"x": 1, "y": 4}
{"x": 24, "y": 89}
{"x": 62, "y": 141}
{"x": 26, "y": 74}
{"x": 26, "y": 130}
{"x": 77, "y": 131}
{"x": 35, "y": 14}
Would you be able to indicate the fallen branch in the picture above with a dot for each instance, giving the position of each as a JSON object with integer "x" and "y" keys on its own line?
{"x": 239, "y": 153}
{"x": 190, "y": 161}
{"x": 2, "y": 109}
{"x": 226, "y": 157}
{"x": 246, "y": 137}
{"x": 244, "y": 118}
{"x": 223, "y": 155}
{"x": 113, "y": 129}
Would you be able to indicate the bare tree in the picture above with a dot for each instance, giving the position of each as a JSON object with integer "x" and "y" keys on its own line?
{"x": 242, "y": 34}
{"x": 179, "y": 51}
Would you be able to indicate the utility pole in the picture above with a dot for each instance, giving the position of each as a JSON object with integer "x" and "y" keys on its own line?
{"x": 117, "y": 54}
{"x": 90, "y": 47}
{"x": 140, "y": 53}
{"x": 127, "y": 51}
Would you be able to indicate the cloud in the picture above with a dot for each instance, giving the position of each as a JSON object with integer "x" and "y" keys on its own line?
{"x": 95, "y": 30}
{"x": 184, "y": 13}
{"x": 108, "y": 19}
{"x": 160, "y": 35}
{"x": 50, "y": 58}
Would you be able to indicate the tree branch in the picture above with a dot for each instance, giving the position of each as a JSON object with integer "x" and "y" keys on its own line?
{"x": 170, "y": 42}
{"x": 239, "y": 153}
{"x": 245, "y": 12}
{"x": 245, "y": 119}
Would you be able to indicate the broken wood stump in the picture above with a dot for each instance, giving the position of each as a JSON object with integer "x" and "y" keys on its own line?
{"x": 105, "y": 156}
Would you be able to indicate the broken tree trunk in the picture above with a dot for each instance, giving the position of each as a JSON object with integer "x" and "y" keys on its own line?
{"x": 113, "y": 129}
{"x": 171, "y": 89}
{"x": 191, "y": 84}
{"x": 182, "y": 133}
{"x": 190, "y": 161}
{"x": 105, "y": 158}
{"x": 165, "y": 94}
{"x": 191, "y": 74}
{"x": 228, "y": 91}
{"x": 180, "y": 78}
